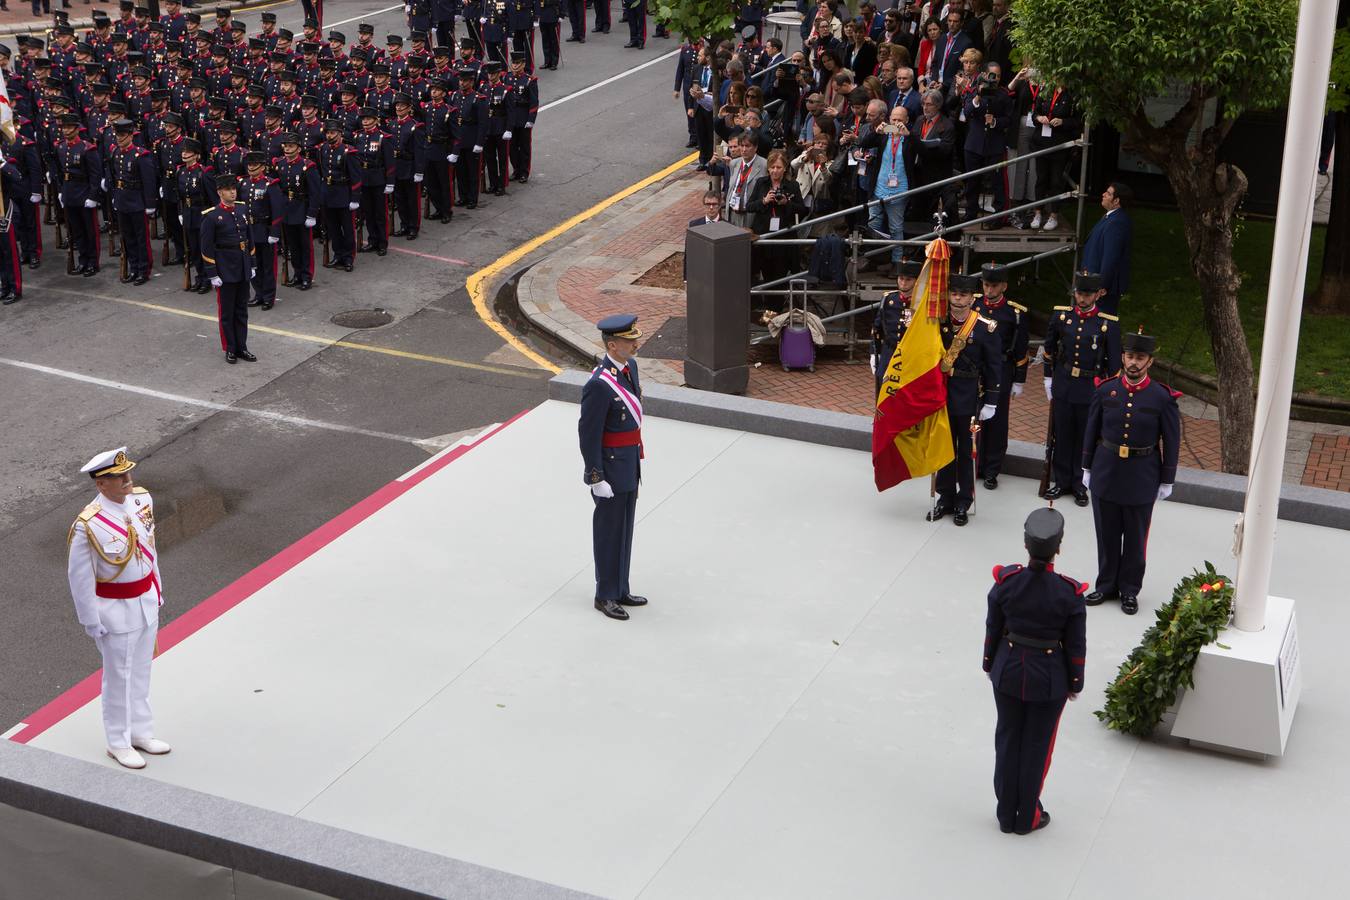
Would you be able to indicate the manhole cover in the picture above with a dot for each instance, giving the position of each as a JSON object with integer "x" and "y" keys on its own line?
{"x": 363, "y": 318}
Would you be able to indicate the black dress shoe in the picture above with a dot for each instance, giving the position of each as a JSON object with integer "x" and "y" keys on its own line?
{"x": 1044, "y": 821}
{"x": 402, "y": 232}
{"x": 90, "y": 271}
{"x": 176, "y": 261}
{"x": 305, "y": 285}
{"x": 631, "y": 46}
{"x": 1080, "y": 498}
{"x": 1053, "y": 492}
{"x": 34, "y": 263}
{"x": 961, "y": 517}
{"x": 347, "y": 267}
{"x": 291, "y": 282}
{"x": 366, "y": 248}
{"x": 991, "y": 482}
{"x": 1129, "y": 605}
{"x": 331, "y": 264}
{"x": 938, "y": 511}
{"x": 246, "y": 356}
{"x": 570, "y": 40}
{"x": 267, "y": 304}
{"x": 231, "y": 358}
{"x": 412, "y": 235}
{"x": 633, "y": 600}
{"x": 445, "y": 220}
{"x": 127, "y": 279}
{"x": 383, "y": 251}
{"x": 254, "y": 302}
{"x": 473, "y": 205}
{"x": 140, "y": 280}
{"x": 203, "y": 287}
{"x": 1097, "y": 598}
{"x": 611, "y": 608}
{"x": 8, "y": 297}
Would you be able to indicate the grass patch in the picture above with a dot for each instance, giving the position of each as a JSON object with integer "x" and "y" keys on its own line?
{"x": 1165, "y": 299}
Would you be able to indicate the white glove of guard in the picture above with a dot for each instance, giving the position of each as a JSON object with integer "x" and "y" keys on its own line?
{"x": 103, "y": 184}
{"x": 1047, "y": 388}
{"x": 252, "y": 273}
{"x": 1164, "y": 491}
{"x": 529, "y": 125}
{"x": 477, "y": 148}
{"x": 181, "y": 221}
{"x": 987, "y": 411}
{"x": 309, "y": 222}
{"x": 1087, "y": 478}
{"x": 506, "y": 135}
{"x": 95, "y": 631}
{"x": 353, "y": 206}
{"x": 272, "y": 240}
{"x": 417, "y": 179}
{"x": 602, "y": 490}
{"x": 34, "y": 198}
{"x": 1017, "y": 390}
{"x": 59, "y": 202}
{"x": 152, "y": 213}
{"x": 91, "y": 204}
{"x": 161, "y": 193}
{"x": 482, "y": 21}
{"x": 216, "y": 282}
{"x": 452, "y": 158}
{"x": 388, "y": 188}
{"x": 872, "y": 363}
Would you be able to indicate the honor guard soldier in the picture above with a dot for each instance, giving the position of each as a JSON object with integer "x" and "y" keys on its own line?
{"x": 893, "y": 318}
{"x": 365, "y": 43}
{"x": 228, "y": 159}
{"x": 469, "y": 132}
{"x": 467, "y": 51}
{"x": 1035, "y": 647}
{"x": 521, "y": 16}
{"x": 636, "y": 12}
{"x": 169, "y": 158}
{"x": 438, "y": 117}
{"x": 1130, "y": 451}
{"x": 410, "y": 161}
{"x": 971, "y": 364}
{"x": 11, "y": 276}
{"x": 494, "y": 27}
{"x": 550, "y": 31}
{"x": 134, "y": 195}
{"x": 348, "y": 112}
{"x": 1082, "y": 344}
{"x": 522, "y": 108}
{"x": 79, "y": 170}
{"x": 113, "y": 570}
{"x": 380, "y": 97}
{"x": 576, "y": 19}
{"x": 228, "y": 251}
{"x": 341, "y": 175}
{"x": 602, "y": 17}
{"x": 265, "y": 206}
{"x": 496, "y": 148}
{"x": 394, "y": 58}
{"x": 610, "y": 430}
{"x": 302, "y": 189}
{"x": 375, "y": 154}
{"x": 1012, "y": 338}
{"x": 196, "y": 194}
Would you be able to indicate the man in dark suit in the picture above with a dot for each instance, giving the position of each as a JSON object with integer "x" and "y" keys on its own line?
{"x": 947, "y": 52}
{"x": 610, "y": 431}
{"x": 988, "y": 112}
{"x": 936, "y": 137}
{"x": 1107, "y": 249}
{"x": 1130, "y": 452}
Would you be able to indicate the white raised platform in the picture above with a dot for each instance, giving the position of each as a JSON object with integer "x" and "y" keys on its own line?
{"x": 799, "y": 713}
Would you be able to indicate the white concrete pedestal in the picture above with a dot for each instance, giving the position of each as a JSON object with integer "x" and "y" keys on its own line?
{"x": 1246, "y": 690}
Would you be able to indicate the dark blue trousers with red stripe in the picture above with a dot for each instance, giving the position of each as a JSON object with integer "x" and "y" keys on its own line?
{"x": 1024, "y": 740}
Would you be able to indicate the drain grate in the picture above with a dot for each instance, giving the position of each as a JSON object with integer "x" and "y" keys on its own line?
{"x": 363, "y": 318}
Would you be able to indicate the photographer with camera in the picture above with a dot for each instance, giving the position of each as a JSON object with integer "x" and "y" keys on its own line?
{"x": 988, "y": 112}
{"x": 775, "y": 203}
{"x": 814, "y": 171}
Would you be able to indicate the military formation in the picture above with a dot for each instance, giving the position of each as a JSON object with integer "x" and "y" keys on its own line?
{"x": 127, "y": 133}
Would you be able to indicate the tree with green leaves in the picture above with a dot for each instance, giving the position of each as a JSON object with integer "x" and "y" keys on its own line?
{"x": 1333, "y": 288}
{"x": 1225, "y": 57}
{"x": 697, "y": 19}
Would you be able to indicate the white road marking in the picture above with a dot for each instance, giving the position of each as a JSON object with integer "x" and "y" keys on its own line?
{"x": 208, "y": 404}
{"x": 610, "y": 80}
{"x": 13, "y": 731}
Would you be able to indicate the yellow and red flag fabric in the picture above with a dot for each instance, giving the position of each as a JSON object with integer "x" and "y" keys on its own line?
{"x": 911, "y": 435}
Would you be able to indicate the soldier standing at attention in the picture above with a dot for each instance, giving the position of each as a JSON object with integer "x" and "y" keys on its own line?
{"x": 227, "y": 249}
{"x": 341, "y": 187}
{"x": 1130, "y": 451}
{"x": 892, "y": 318}
{"x": 134, "y": 196}
{"x": 375, "y": 153}
{"x": 1011, "y": 338}
{"x": 469, "y": 111}
{"x": 611, "y": 448}
{"x": 1035, "y": 647}
{"x": 196, "y": 194}
{"x": 1082, "y": 344}
{"x": 113, "y": 569}
{"x": 522, "y": 108}
{"x": 302, "y": 190}
{"x": 263, "y": 201}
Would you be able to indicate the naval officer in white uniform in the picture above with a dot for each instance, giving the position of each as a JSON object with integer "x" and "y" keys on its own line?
{"x": 114, "y": 578}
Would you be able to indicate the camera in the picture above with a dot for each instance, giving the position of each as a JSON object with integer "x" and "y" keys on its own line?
{"x": 986, "y": 83}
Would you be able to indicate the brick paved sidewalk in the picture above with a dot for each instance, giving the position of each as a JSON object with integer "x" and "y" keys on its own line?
{"x": 592, "y": 277}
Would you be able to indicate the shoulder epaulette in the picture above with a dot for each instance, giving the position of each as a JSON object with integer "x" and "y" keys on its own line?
{"x": 210, "y": 209}
{"x": 1002, "y": 573}
{"x": 1017, "y": 306}
{"x": 139, "y": 490}
{"x": 1108, "y": 317}
{"x": 1063, "y": 308}
{"x": 85, "y": 515}
{"x": 1176, "y": 394}
{"x": 1079, "y": 587}
{"x": 1099, "y": 381}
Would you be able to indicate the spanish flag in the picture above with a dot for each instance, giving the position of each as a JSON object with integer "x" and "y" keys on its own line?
{"x": 910, "y": 432}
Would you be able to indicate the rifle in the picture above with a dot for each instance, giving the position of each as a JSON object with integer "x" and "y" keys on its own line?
{"x": 49, "y": 204}
{"x": 60, "y": 235}
{"x": 114, "y": 236}
{"x": 389, "y": 211}
{"x": 164, "y": 227}
{"x": 327, "y": 249}
{"x": 360, "y": 234}
{"x": 285, "y": 259}
{"x": 123, "y": 267}
{"x": 70, "y": 256}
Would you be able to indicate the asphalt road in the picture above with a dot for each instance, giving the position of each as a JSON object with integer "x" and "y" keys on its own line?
{"x": 245, "y": 459}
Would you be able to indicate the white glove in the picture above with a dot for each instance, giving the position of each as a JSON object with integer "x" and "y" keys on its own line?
{"x": 1087, "y": 478}
{"x": 161, "y": 193}
{"x": 452, "y": 158}
{"x": 309, "y": 221}
{"x": 477, "y": 148}
{"x": 272, "y": 240}
{"x": 353, "y": 206}
{"x": 181, "y": 221}
{"x": 872, "y": 363}
{"x": 388, "y": 188}
{"x": 152, "y": 213}
{"x": 1047, "y": 388}
{"x": 91, "y": 204}
{"x": 216, "y": 282}
{"x": 602, "y": 490}
{"x": 103, "y": 184}
{"x": 1164, "y": 491}
{"x": 482, "y": 21}
{"x": 34, "y": 198}
{"x": 252, "y": 273}
{"x": 506, "y": 135}
{"x": 1017, "y": 390}
{"x": 59, "y": 202}
{"x": 987, "y": 411}
{"x": 95, "y": 631}
{"x": 417, "y": 179}
{"x": 529, "y": 125}
{"x": 534, "y": 24}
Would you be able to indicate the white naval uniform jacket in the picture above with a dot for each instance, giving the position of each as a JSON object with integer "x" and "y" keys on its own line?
{"x": 110, "y": 524}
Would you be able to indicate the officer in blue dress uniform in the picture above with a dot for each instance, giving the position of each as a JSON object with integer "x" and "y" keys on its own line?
{"x": 1130, "y": 450}
{"x": 1012, "y": 340}
{"x": 1082, "y": 344}
{"x": 134, "y": 193}
{"x": 611, "y": 449}
{"x": 266, "y": 206}
{"x": 227, "y": 249}
{"x": 971, "y": 364}
{"x": 1035, "y": 647}
{"x": 893, "y": 318}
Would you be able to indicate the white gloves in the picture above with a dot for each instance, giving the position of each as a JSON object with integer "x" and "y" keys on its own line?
{"x": 477, "y": 148}
{"x": 417, "y": 179}
{"x": 1017, "y": 390}
{"x": 872, "y": 363}
{"x": 529, "y": 124}
{"x": 452, "y": 158}
{"x": 482, "y": 21}
{"x": 1087, "y": 478}
{"x": 152, "y": 213}
{"x": 987, "y": 411}
{"x": 1164, "y": 491}
{"x": 252, "y": 273}
{"x": 95, "y": 631}
{"x": 91, "y": 204}
{"x": 388, "y": 188}
{"x": 34, "y": 198}
{"x": 216, "y": 282}
{"x": 506, "y": 135}
{"x": 272, "y": 240}
{"x": 309, "y": 221}
{"x": 161, "y": 193}
{"x": 602, "y": 490}
{"x": 59, "y": 202}
{"x": 103, "y": 184}
{"x": 1047, "y": 388}
{"x": 353, "y": 206}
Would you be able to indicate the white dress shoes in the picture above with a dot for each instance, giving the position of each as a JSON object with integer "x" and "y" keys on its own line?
{"x": 127, "y": 757}
{"x": 153, "y": 746}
